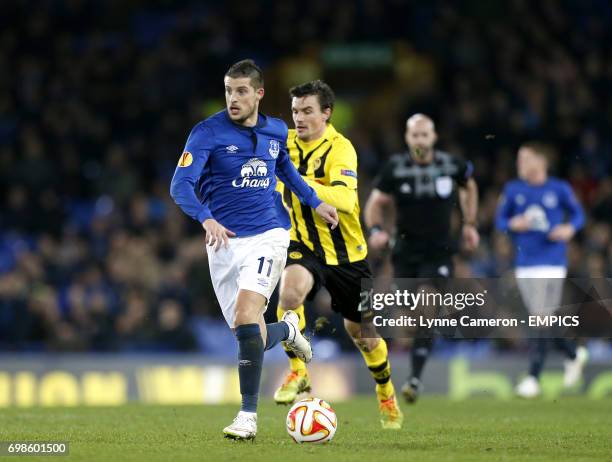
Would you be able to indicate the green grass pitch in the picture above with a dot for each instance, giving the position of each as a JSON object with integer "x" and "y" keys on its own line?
{"x": 435, "y": 429}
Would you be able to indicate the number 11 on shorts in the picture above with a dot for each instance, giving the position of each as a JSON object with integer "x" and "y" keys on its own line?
{"x": 261, "y": 265}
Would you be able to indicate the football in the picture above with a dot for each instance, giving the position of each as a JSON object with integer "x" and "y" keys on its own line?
{"x": 311, "y": 420}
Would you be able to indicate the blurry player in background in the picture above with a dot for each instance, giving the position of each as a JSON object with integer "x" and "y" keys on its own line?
{"x": 420, "y": 185}
{"x": 332, "y": 258}
{"x": 226, "y": 179}
{"x": 532, "y": 210}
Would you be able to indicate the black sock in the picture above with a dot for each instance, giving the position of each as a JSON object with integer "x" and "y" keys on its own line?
{"x": 276, "y": 333}
{"x": 250, "y": 362}
{"x": 420, "y": 352}
{"x": 566, "y": 346}
{"x": 538, "y": 348}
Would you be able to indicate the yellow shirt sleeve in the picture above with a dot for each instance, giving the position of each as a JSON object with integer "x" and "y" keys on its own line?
{"x": 341, "y": 197}
{"x": 342, "y": 173}
{"x": 343, "y": 166}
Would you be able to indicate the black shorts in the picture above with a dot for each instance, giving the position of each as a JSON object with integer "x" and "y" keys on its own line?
{"x": 406, "y": 266}
{"x": 343, "y": 282}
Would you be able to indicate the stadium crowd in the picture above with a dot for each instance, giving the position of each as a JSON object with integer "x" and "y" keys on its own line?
{"x": 98, "y": 98}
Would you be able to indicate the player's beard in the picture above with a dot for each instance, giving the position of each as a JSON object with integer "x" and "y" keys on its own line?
{"x": 421, "y": 152}
{"x": 244, "y": 118}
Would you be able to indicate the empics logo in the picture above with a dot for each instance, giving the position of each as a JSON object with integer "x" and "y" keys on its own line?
{"x": 254, "y": 174}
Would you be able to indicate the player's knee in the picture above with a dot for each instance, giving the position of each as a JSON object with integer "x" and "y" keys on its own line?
{"x": 246, "y": 313}
{"x": 243, "y": 316}
{"x": 291, "y": 298}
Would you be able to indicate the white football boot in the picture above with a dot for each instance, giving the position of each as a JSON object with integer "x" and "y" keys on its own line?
{"x": 573, "y": 368}
{"x": 296, "y": 342}
{"x": 244, "y": 427}
{"x": 528, "y": 388}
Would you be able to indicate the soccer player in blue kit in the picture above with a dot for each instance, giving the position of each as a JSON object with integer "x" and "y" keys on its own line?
{"x": 226, "y": 179}
{"x": 532, "y": 210}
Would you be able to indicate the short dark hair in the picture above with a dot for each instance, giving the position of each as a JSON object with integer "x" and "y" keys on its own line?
{"x": 247, "y": 68}
{"x": 325, "y": 95}
{"x": 540, "y": 149}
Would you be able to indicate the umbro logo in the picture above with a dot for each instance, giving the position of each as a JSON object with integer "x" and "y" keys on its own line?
{"x": 232, "y": 149}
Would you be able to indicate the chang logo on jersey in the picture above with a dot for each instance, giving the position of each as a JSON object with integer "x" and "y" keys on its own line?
{"x": 538, "y": 221}
{"x": 254, "y": 174}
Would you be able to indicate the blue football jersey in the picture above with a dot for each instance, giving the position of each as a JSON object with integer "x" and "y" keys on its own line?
{"x": 228, "y": 172}
{"x": 545, "y": 206}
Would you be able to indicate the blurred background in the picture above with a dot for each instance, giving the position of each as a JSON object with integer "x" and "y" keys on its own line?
{"x": 97, "y": 99}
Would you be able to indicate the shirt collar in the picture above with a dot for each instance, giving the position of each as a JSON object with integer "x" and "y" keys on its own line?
{"x": 262, "y": 121}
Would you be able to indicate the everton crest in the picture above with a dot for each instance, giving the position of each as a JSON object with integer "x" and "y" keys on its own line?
{"x": 274, "y": 148}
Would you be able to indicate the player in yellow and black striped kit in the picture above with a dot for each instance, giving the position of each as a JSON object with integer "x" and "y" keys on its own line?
{"x": 318, "y": 256}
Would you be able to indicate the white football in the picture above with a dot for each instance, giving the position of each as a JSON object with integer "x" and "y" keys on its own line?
{"x": 311, "y": 420}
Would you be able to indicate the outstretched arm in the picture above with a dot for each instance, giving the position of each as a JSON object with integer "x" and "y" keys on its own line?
{"x": 468, "y": 201}
{"x": 338, "y": 195}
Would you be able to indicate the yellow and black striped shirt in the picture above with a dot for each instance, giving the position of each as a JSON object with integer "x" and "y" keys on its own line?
{"x": 329, "y": 165}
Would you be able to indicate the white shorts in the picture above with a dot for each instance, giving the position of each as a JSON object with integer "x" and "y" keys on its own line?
{"x": 253, "y": 263}
{"x": 541, "y": 287}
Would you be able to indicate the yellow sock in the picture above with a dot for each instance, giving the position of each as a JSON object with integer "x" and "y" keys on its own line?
{"x": 377, "y": 361}
{"x": 296, "y": 364}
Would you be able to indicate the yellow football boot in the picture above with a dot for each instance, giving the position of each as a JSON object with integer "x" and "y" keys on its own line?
{"x": 391, "y": 417}
{"x": 294, "y": 384}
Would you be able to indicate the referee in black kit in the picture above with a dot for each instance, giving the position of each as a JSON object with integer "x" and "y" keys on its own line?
{"x": 421, "y": 185}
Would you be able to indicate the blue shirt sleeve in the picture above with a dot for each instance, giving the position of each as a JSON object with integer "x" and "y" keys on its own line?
{"x": 293, "y": 180}
{"x": 573, "y": 207}
{"x": 504, "y": 211}
{"x": 189, "y": 171}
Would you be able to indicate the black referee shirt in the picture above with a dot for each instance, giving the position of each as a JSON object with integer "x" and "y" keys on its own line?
{"x": 425, "y": 196}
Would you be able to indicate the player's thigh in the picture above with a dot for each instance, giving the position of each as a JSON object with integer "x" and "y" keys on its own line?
{"x": 554, "y": 293}
{"x": 541, "y": 288}
{"x": 555, "y": 280}
{"x": 296, "y": 283}
{"x": 262, "y": 260}
{"x": 224, "y": 273}
{"x": 344, "y": 283}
